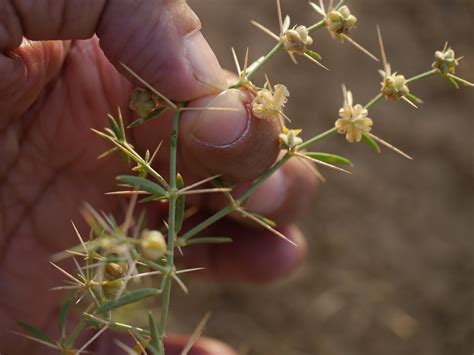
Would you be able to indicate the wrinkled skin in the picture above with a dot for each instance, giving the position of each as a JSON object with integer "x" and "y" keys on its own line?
{"x": 53, "y": 92}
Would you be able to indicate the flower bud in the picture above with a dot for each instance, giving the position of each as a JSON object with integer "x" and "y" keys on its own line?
{"x": 115, "y": 271}
{"x": 341, "y": 21}
{"x": 143, "y": 102}
{"x": 297, "y": 40}
{"x": 445, "y": 61}
{"x": 111, "y": 288}
{"x": 153, "y": 245}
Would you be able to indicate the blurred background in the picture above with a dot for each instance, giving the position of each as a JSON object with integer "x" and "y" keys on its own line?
{"x": 390, "y": 267}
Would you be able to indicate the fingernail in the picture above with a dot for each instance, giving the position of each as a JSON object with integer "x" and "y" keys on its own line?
{"x": 270, "y": 196}
{"x": 220, "y": 128}
{"x": 203, "y": 61}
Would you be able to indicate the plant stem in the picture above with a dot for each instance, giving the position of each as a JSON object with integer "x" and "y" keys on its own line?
{"x": 171, "y": 233}
{"x": 317, "y": 26}
{"x": 263, "y": 178}
{"x": 265, "y": 59}
{"x": 211, "y": 220}
{"x": 225, "y": 211}
{"x": 374, "y": 101}
{"x": 319, "y": 137}
{"x": 422, "y": 76}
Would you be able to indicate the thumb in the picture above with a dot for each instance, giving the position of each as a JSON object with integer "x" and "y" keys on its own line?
{"x": 163, "y": 44}
{"x": 160, "y": 40}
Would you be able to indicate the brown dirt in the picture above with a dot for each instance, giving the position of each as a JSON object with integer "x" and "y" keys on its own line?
{"x": 391, "y": 254}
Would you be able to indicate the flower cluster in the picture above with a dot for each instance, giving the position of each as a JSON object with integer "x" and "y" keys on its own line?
{"x": 353, "y": 121}
{"x": 268, "y": 103}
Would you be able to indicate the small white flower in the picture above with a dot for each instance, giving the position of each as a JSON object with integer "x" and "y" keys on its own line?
{"x": 268, "y": 104}
{"x": 289, "y": 138}
{"x": 353, "y": 121}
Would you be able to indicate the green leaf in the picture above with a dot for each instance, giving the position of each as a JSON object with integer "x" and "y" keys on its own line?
{"x": 329, "y": 158}
{"x": 144, "y": 342}
{"x": 452, "y": 82}
{"x": 151, "y": 116}
{"x": 208, "y": 240}
{"x": 459, "y": 80}
{"x": 142, "y": 184}
{"x": 264, "y": 220}
{"x": 128, "y": 298}
{"x": 180, "y": 204}
{"x": 413, "y": 98}
{"x": 371, "y": 143}
{"x": 115, "y": 128}
{"x": 155, "y": 342}
{"x": 34, "y": 332}
{"x": 314, "y": 55}
{"x": 63, "y": 316}
{"x": 153, "y": 198}
{"x": 107, "y": 153}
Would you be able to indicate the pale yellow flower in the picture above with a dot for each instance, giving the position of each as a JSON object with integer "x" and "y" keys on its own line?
{"x": 268, "y": 104}
{"x": 289, "y": 138}
{"x": 353, "y": 121}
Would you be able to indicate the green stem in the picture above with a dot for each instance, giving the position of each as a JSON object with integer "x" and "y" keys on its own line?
{"x": 319, "y": 137}
{"x": 225, "y": 211}
{"x": 211, "y": 220}
{"x": 171, "y": 233}
{"x": 266, "y": 59}
{"x": 317, "y": 26}
{"x": 374, "y": 101}
{"x": 422, "y": 76}
{"x": 263, "y": 178}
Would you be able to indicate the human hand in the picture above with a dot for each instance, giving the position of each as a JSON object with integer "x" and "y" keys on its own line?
{"x": 55, "y": 89}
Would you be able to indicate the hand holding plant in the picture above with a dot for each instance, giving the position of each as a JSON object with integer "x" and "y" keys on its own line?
{"x": 195, "y": 141}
